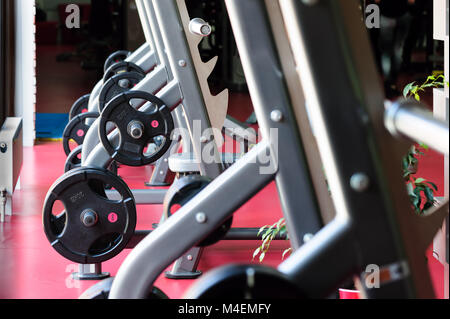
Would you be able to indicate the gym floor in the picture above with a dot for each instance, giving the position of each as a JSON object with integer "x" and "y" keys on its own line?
{"x": 31, "y": 269}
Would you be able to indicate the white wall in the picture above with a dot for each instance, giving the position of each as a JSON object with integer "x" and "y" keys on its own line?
{"x": 25, "y": 95}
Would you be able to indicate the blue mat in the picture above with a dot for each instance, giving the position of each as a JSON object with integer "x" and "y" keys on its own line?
{"x": 51, "y": 125}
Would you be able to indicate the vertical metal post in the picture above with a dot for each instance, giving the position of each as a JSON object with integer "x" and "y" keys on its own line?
{"x": 161, "y": 167}
{"x": 177, "y": 49}
{"x": 275, "y": 117}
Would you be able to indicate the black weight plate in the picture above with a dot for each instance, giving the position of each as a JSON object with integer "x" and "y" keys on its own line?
{"x": 217, "y": 235}
{"x": 76, "y": 130}
{"x": 113, "y": 87}
{"x": 102, "y": 289}
{"x": 182, "y": 191}
{"x": 80, "y": 106}
{"x": 121, "y": 67}
{"x": 74, "y": 161}
{"x": 244, "y": 282}
{"x": 156, "y": 122}
{"x": 116, "y": 57}
{"x": 80, "y": 190}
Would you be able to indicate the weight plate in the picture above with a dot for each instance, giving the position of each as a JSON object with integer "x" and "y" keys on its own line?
{"x": 182, "y": 191}
{"x": 116, "y": 57}
{"x": 102, "y": 289}
{"x": 92, "y": 228}
{"x": 244, "y": 282}
{"x": 74, "y": 161}
{"x": 80, "y": 106}
{"x": 137, "y": 129}
{"x": 116, "y": 85}
{"x": 121, "y": 67}
{"x": 76, "y": 130}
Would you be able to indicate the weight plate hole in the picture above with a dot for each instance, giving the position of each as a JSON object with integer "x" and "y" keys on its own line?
{"x": 114, "y": 194}
{"x": 58, "y": 208}
{"x": 153, "y": 148}
{"x": 174, "y": 208}
{"x": 72, "y": 145}
{"x": 137, "y": 103}
{"x": 58, "y": 218}
{"x": 114, "y": 127}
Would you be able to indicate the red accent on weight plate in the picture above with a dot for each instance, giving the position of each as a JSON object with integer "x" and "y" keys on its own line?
{"x": 80, "y": 133}
{"x": 112, "y": 217}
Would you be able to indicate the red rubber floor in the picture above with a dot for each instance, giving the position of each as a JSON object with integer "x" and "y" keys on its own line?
{"x": 30, "y": 268}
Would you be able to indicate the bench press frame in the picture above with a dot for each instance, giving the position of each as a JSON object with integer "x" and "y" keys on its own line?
{"x": 348, "y": 118}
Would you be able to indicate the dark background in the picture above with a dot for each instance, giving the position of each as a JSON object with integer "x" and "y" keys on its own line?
{"x": 70, "y": 61}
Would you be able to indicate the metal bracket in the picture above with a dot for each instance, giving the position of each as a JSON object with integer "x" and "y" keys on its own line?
{"x": 90, "y": 272}
{"x": 186, "y": 266}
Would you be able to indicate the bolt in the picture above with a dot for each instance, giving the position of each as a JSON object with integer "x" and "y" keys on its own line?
{"x": 189, "y": 257}
{"x": 307, "y": 237}
{"x": 124, "y": 83}
{"x": 3, "y": 145}
{"x": 206, "y": 30}
{"x": 200, "y": 27}
{"x": 360, "y": 182}
{"x": 200, "y": 218}
{"x": 89, "y": 218}
{"x": 182, "y": 63}
{"x": 276, "y": 116}
{"x": 136, "y": 129}
{"x": 250, "y": 272}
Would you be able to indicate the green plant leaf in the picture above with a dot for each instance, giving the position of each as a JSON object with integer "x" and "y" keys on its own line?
{"x": 433, "y": 185}
{"x": 262, "y": 229}
{"x": 287, "y": 251}
{"x": 429, "y": 194}
{"x": 408, "y": 89}
{"x": 261, "y": 257}
{"x": 419, "y": 180}
{"x": 409, "y": 188}
{"x": 268, "y": 232}
{"x": 256, "y": 252}
{"x": 267, "y": 240}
